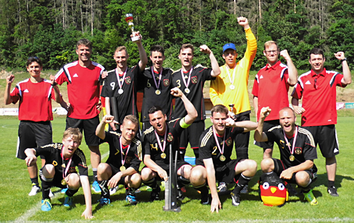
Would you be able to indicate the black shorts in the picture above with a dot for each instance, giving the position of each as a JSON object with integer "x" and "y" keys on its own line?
{"x": 279, "y": 167}
{"x": 326, "y": 137}
{"x": 266, "y": 126}
{"x": 32, "y": 135}
{"x": 57, "y": 179}
{"x": 191, "y": 135}
{"x": 226, "y": 173}
{"x": 89, "y": 127}
{"x": 116, "y": 170}
{"x": 165, "y": 167}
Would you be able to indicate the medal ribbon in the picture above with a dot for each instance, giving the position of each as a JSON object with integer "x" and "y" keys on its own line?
{"x": 121, "y": 151}
{"x": 121, "y": 84}
{"x": 153, "y": 77}
{"x": 287, "y": 141}
{"x": 189, "y": 77}
{"x": 162, "y": 148}
{"x": 217, "y": 142}
{"x": 233, "y": 75}
{"x": 66, "y": 169}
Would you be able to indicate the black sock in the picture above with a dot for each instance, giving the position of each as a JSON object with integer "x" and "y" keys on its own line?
{"x": 240, "y": 183}
{"x": 46, "y": 185}
{"x": 71, "y": 192}
{"x": 330, "y": 183}
{"x": 94, "y": 174}
{"x": 104, "y": 188}
{"x": 35, "y": 181}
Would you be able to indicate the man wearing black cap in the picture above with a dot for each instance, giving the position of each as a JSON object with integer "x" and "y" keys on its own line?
{"x": 230, "y": 87}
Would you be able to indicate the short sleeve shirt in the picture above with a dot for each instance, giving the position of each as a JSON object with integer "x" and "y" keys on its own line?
{"x": 196, "y": 82}
{"x": 52, "y": 154}
{"x": 131, "y": 156}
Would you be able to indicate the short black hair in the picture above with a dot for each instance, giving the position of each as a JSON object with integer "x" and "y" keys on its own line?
{"x": 316, "y": 51}
{"x": 157, "y": 48}
{"x": 154, "y": 109}
{"x": 34, "y": 59}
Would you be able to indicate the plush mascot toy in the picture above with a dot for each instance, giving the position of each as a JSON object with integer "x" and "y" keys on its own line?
{"x": 272, "y": 190}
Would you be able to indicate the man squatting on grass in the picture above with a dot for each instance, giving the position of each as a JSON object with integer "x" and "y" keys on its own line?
{"x": 125, "y": 155}
{"x": 215, "y": 163}
{"x": 297, "y": 151}
{"x": 60, "y": 169}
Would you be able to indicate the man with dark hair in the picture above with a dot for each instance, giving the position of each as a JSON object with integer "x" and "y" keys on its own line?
{"x": 156, "y": 142}
{"x": 297, "y": 151}
{"x": 270, "y": 88}
{"x": 121, "y": 83}
{"x": 215, "y": 163}
{"x": 125, "y": 155}
{"x": 190, "y": 79}
{"x": 156, "y": 84}
{"x": 60, "y": 169}
{"x": 317, "y": 89}
{"x": 83, "y": 85}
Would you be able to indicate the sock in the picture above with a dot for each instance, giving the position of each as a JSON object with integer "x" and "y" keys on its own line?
{"x": 240, "y": 183}
{"x": 34, "y": 181}
{"x": 71, "y": 192}
{"x": 46, "y": 185}
{"x": 94, "y": 170}
{"x": 151, "y": 183}
{"x": 104, "y": 188}
{"x": 330, "y": 183}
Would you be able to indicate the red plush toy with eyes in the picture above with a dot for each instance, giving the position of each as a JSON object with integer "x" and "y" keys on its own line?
{"x": 272, "y": 190}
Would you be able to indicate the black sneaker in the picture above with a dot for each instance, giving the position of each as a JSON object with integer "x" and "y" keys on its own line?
{"x": 205, "y": 198}
{"x": 235, "y": 199}
{"x": 332, "y": 191}
{"x": 155, "y": 194}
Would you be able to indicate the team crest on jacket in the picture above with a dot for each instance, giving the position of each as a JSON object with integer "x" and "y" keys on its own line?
{"x": 229, "y": 141}
{"x": 194, "y": 79}
{"x": 166, "y": 82}
{"x": 298, "y": 150}
{"x": 169, "y": 137}
{"x": 128, "y": 80}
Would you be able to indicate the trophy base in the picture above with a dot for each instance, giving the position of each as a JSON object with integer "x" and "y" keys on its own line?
{"x": 135, "y": 38}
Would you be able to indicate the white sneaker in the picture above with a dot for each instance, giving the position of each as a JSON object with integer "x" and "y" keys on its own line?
{"x": 113, "y": 190}
{"x": 244, "y": 190}
{"x": 35, "y": 189}
{"x": 51, "y": 195}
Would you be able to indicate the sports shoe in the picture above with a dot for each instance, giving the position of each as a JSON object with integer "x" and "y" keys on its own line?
{"x": 113, "y": 190}
{"x": 310, "y": 197}
{"x": 222, "y": 188}
{"x": 244, "y": 189}
{"x": 63, "y": 191}
{"x": 104, "y": 201}
{"x": 96, "y": 187}
{"x": 46, "y": 205}
{"x": 235, "y": 199}
{"x": 333, "y": 191}
{"x": 35, "y": 189}
{"x": 155, "y": 194}
{"x": 68, "y": 202}
{"x": 130, "y": 192}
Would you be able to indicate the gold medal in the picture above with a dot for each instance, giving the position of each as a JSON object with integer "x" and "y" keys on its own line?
{"x": 291, "y": 157}
{"x": 157, "y": 92}
{"x": 122, "y": 168}
{"x": 163, "y": 155}
{"x": 222, "y": 158}
{"x": 63, "y": 182}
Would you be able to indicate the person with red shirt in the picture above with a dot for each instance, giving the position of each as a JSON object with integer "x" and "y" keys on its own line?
{"x": 83, "y": 86}
{"x": 35, "y": 113}
{"x": 317, "y": 89}
{"x": 270, "y": 88}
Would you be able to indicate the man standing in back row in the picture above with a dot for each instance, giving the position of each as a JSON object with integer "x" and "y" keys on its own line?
{"x": 83, "y": 84}
{"x": 230, "y": 87}
{"x": 317, "y": 88}
{"x": 191, "y": 80}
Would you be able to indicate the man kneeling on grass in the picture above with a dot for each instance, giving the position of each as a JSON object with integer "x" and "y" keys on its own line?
{"x": 125, "y": 154}
{"x": 297, "y": 151}
{"x": 60, "y": 169}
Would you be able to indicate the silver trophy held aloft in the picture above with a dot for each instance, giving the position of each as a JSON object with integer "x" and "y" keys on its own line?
{"x": 129, "y": 20}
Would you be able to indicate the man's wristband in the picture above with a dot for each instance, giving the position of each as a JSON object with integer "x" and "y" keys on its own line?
{"x": 345, "y": 59}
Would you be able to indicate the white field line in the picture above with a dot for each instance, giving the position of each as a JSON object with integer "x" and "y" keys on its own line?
{"x": 37, "y": 207}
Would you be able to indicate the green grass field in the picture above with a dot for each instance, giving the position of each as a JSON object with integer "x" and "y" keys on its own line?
{"x": 16, "y": 205}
